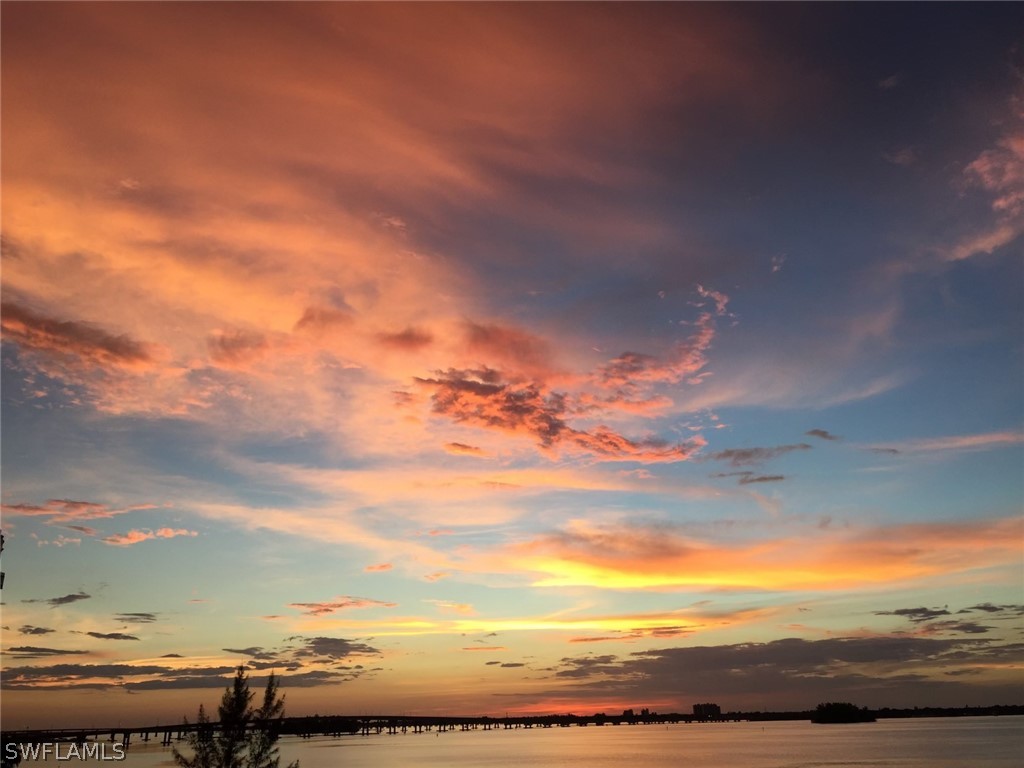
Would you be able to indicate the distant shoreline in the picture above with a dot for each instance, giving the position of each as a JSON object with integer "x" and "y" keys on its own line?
{"x": 310, "y": 725}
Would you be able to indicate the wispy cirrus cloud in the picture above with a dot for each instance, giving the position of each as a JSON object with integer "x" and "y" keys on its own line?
{"x": 136, "y": 618}
{"x": 35, "y": 652}
{"x": 998, "y": 172}
{"x": 985, "y": 441}
{"x": 739, "y": 457}
{"x": 916, "y": 614}
{"x": 453, "y": 607}
{"x": 339, "y": 604}
{"x": 61, "y": 511}
{"x": 138, "y": 536}
{"x": 824, "y": 434}
{"x": 751, "y": 478}
{"x": 54, "y": 602}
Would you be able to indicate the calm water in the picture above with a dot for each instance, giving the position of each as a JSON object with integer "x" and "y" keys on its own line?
{"x": 973, "y": 742}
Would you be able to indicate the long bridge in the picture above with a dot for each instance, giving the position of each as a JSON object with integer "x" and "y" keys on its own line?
{"x": 343, "y": 725}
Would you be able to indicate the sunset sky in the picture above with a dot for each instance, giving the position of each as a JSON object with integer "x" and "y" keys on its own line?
{"x": 473, "y": 359}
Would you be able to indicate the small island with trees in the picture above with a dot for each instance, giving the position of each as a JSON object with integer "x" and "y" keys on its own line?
{"x": 841, "y": 712}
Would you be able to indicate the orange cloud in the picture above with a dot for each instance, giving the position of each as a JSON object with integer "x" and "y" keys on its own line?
{"x": 485, "y": 398}
{"x": 510, "y": 348}
{"x": 233, "y": 349}
{"x": 619, "y": 557}
{"x": 138, "y": 536}
{"x": 447, "y": 605}
{"x": 410, "y": 338}
{"x": 71, "y": 342}
{"x": 233, "y": 257}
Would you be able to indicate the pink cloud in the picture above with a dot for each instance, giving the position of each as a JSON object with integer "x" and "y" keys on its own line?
{"x": 485, "y": 398}
{"x": 954, "y": 444}
{"x": 999, "y": 171}
{"x": 510, "y": 348}
{"x": 83, "y": 345}
{"x": 138, "y": 536}
{"x": 61, "y": 511}
{"x": 380, "y": 567}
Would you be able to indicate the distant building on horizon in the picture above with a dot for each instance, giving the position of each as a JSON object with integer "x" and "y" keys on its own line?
{"x": 707, "y": 711}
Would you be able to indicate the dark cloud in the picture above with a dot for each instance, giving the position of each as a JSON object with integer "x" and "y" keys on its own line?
{"x": 410, "y": 339}
{"x": 483, "y": 398}
{"x": 28, "y": 629}
{"x": 824, "y": 434}
{"x": 334, "y": 648}
{"x": 273, "y": 663}
{"x": 637, "y": 634}
{"x": 519, "y": 349}
{"x": 748, "y": 478}
{"x": 794, "y": 672}
{"x": 53, "y": 602}
{"x": 1010, "y": 610}
{"x": 321, "y": 677}
{"x": 479, "y": 397}
{"x": 70, "y": 510}
{"x": 916, "y": 614}
{"x": 111, "y": 636}
{"x": 589, "y": 666}
{"x": 235, "y": 348}
{"x": 80, "y": 671}
{"x": 463, "y": 448}
{"x": 512, "y": 664}
{"x": 322, "y": 318}
{"x": 254, "y": 651}
{"x": 82, "y": 529}
{"x": 886, "y": 451}
{"x": 75, "y": 676}
{"x": 740, "y": 457}
{"x": 34, "y": 652}
{"x": 163, "y": 684}
{"x": 72, "y": 343}
{"x": 958, "y": 627}
{"x": 136, "y": 618}
{"x": 172, "y": 656}
{"x": 190, "y": 677}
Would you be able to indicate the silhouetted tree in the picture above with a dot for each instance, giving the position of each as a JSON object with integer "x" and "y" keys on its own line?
{"x": 245, "y": 737}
